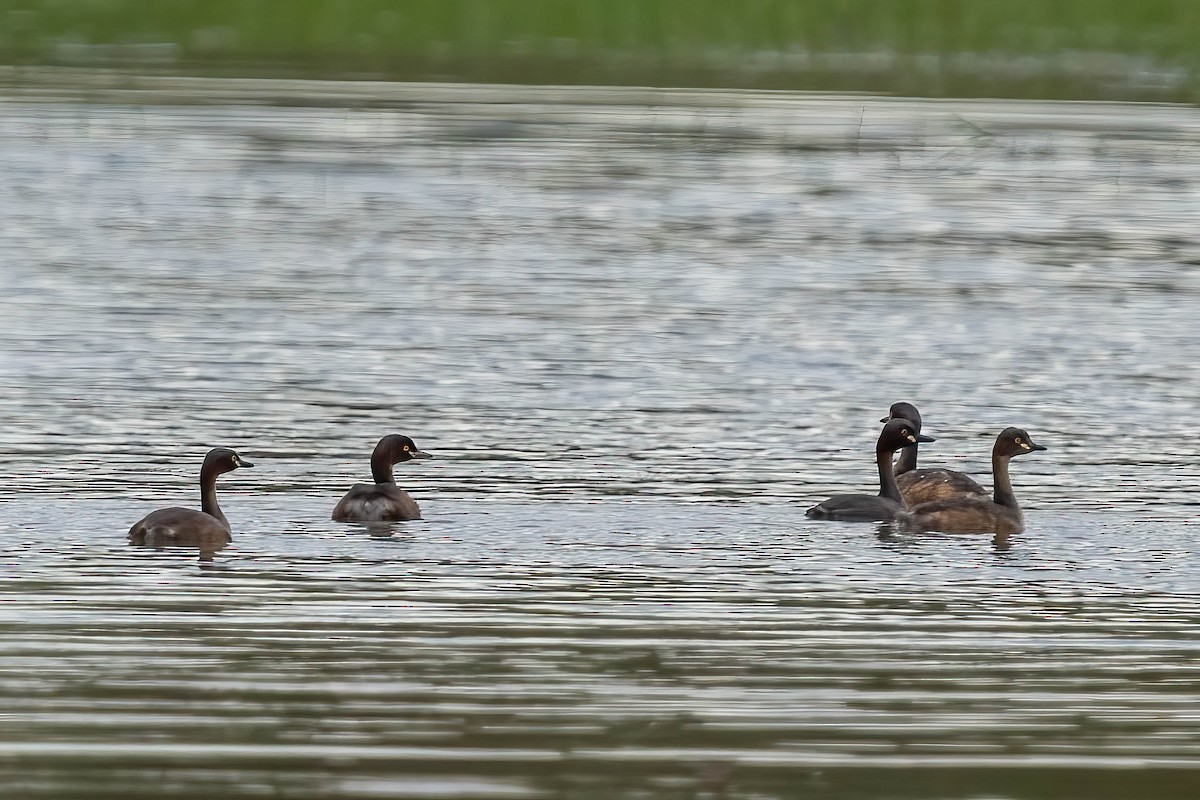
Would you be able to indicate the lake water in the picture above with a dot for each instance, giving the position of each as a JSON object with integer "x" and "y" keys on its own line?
{"x": 642, "y": 332}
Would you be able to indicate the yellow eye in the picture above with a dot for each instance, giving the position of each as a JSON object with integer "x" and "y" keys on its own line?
{"x": 406, "y": 448}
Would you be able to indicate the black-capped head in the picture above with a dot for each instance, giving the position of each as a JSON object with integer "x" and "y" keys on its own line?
{"x": 1015, "y": 442}
{"x": 904, "y": 411}
{"x": 398, "y": 448}
{"x": 221, "y": 460}
{"x": 900, "y": 433}
{"x": 392, "y": 449}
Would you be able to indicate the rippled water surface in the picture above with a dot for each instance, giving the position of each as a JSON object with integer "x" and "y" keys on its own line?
{"x": 641, "y": 332}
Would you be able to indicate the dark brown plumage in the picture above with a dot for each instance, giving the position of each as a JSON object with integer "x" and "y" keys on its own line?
{"x": 207, "y": 529}
{"x": 382, "y": 501}
{"x": 973, "y": 513}
{"x": 919, "y": 486}
{"x": 884, "y": 506}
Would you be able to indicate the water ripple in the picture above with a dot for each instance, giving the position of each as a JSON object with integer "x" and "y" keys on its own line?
{"x": 640, "y": 340}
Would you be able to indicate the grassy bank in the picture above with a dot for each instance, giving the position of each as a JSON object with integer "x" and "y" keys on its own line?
{"x": 1033, "y": 48}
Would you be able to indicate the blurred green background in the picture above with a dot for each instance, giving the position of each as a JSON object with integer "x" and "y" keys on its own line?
{"x": 1088, "y": 49}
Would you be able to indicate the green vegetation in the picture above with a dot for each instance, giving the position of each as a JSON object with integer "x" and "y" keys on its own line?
{"x": 1063, "y": 48}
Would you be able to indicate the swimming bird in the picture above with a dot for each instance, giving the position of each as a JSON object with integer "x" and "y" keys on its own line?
{"x": 973, "y": 513}
{"x": 207, "y": 528}
{"x": 382, "y": 501}
{"x": 926, "y": 485}
{"x": 897, "y": 433}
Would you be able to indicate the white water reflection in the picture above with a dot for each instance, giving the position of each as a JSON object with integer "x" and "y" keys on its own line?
{"x": 641, "y": 339}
